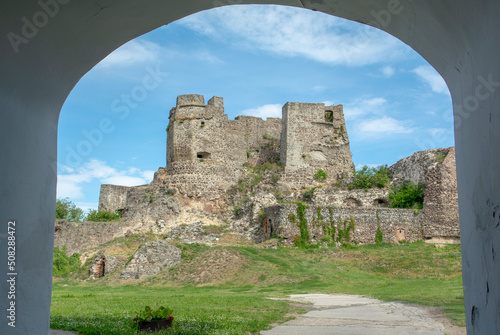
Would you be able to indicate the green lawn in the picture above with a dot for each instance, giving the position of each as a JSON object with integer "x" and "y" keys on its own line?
{"x": 224, "y": 290}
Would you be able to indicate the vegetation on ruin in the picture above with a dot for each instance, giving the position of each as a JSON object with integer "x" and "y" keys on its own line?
{"x": 307, "y": 195}
{"x": 103, "y": 216}
{"x": 368, "y": 177}
{"x": 379, "y": 236}
{"x": 440, "y": 158}
{"x": 303, "y": 239}
{"x": 226, "y": 289}
{"x": 320, "y": 175}
{"x": 407, "y": 195}
{"x": 269, "y": 137}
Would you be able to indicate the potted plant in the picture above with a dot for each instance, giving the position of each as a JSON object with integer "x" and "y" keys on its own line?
{"x": 150, "y": 320}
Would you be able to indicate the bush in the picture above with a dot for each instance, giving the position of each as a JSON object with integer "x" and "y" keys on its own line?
{"x": 307, "y": 196}
{"x": 320, "y": 175}
{"x": 64, "y": 265}
{"x": 67, "y": 210}
{"x": 370, "y": 177}
{"x": 407, "y": 195}
{"x": 103, "y": 216}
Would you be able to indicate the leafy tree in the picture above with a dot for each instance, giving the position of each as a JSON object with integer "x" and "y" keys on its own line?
{"x": 370, "y": 177}
{"x": 67, "y": 210}
{"x": 103, "y": 216}
{"x": 407, "y": 195}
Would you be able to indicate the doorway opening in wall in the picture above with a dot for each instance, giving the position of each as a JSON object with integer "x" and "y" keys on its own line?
{"x": 204, "y": 155}
{"x": 257, "y": 58}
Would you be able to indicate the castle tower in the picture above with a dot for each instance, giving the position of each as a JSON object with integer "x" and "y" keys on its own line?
{"x": 191, "y": 124}
{"x": 314, "y": 137}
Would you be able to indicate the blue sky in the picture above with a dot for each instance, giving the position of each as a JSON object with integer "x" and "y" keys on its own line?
{"x": 112, "y": 126}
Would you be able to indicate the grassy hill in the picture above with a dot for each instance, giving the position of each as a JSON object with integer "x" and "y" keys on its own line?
{"x": 225, "y": 289}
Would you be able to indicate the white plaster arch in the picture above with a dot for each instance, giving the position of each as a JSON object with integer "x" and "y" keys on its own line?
{"x": 46, "y": 46}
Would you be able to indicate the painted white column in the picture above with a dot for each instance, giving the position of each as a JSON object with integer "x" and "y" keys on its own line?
{"x": 476, "y": 101}
{"x": 27, "y": 205}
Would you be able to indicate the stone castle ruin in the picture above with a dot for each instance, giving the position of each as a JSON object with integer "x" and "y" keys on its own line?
{"x": 247, "y": 175}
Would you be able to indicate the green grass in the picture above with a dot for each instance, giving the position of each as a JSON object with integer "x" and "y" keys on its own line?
{"x": 109, "y": 310}
{"x": 223, "y": 290}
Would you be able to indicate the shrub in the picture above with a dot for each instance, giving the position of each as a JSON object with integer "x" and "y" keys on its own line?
{"x": 370, "y": 177}
{"x": 307, "y": 196}
{"x": 320, "y": 175}
{"x": 407, "y": 195}
{"x": 67, "y": 210}
{"x": 64, "y": 265}
{"x": 103, "y": 216}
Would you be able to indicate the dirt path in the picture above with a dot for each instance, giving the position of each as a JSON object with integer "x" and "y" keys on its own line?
{"x": 355, "y": 315}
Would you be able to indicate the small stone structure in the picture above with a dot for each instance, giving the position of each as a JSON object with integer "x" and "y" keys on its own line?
{"x": 102, "y": 265}
{"x": 151, "y": 259}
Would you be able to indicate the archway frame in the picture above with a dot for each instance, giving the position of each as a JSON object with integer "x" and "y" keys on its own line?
{"x": 47, "y": 46}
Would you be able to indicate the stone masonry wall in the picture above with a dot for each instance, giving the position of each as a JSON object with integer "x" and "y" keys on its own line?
{"x": 375, "y": 197}
{"x": 314, "y": 137}
{"x": 206, "y": 151}
{"x": 436, "y": 170}
{"x": 395, "y": 224}
{"x": 441, "y": 199}
{"x": 112, "y": 197}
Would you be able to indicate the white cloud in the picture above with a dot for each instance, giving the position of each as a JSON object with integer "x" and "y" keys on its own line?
{"x": 382, "y": 127}
{"x": 69, "y": 184}
{"x": 388, "y": 71}
{"x": 265, "y": 111}
{"x": 208, "y": 57}
{"x": 319, "y": 88}
{"x": 364, "y": 106}
{"x": 133, "y": 52}
{"x": 431, "y": 77}
{"x": 291, "y": 32}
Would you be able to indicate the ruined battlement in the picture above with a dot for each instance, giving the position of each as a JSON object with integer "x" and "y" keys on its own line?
{"x": 201, "y": 140}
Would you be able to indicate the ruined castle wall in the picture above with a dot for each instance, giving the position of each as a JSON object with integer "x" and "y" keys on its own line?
{"x": 86, "y": 235}
{"x": 206, "y": 151}
{"x": 395, "y": 224}
{"x": 375, "y": 197}
{"x": 312, "y": 140}
{"x": 441, "y": 199}
{"x": 112, "y": 197}
{"x": 414, "y": 168}
{"x": 259, "y": 139}
{"x": 436, "y": 170}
